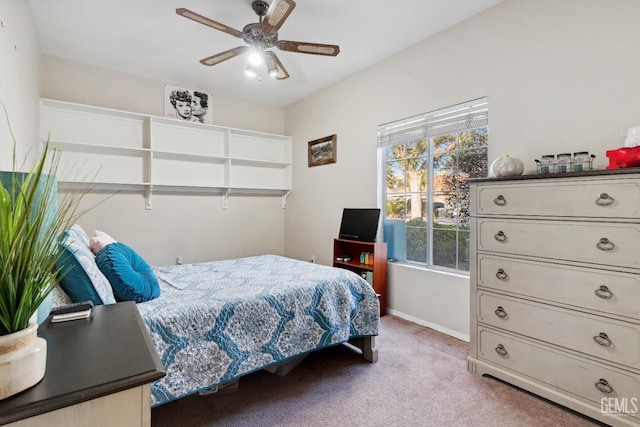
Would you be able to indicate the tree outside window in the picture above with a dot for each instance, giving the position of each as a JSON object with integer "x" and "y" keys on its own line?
{"x": 427, "y": 192}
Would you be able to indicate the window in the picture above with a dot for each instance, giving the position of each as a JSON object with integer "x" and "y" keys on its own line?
{"x": 425, "y": 164}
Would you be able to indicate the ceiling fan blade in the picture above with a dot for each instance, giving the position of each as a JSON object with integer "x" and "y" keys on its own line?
{"x": 276, "y": 15}
{"x": 312, "y": 48}
{"x": 208, "y": 22}
{"x": 273, "y": 63}
{"x": 223, "y": 56}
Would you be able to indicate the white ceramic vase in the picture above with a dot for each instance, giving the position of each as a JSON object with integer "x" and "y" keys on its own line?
{"x": 23, "y": 360}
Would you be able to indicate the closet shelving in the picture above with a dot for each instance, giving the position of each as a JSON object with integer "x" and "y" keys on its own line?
{"x": 120, "y": 150}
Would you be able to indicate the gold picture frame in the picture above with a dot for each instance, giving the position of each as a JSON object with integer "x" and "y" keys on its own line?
{"x": 323, "y": 151}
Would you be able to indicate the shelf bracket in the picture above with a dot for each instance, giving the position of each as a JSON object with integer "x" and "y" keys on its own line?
{"x": 225, "y": 198}
{"x": 147, "y": 197}
{"x": 285, "y": 196}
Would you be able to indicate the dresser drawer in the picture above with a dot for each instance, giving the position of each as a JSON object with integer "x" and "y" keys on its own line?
{"x": 588, "y": 242}
{"x": 588, "y": 380}
{"x": 612, "y": 340}
{"x": 594, "y": 198}
{"x": 605, "y": 291}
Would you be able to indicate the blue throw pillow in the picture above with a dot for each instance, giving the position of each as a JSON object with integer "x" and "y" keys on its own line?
{"x": 131, "y": 278}
{"x": 83, "y": 280}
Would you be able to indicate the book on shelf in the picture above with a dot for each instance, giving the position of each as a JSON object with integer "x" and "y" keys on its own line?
{"x": 368, "y": 276}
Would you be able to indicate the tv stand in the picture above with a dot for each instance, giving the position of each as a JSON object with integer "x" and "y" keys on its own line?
{"x": 378, "y": 269}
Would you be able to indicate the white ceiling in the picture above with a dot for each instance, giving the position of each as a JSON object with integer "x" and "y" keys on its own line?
{"x": 147, "y": 38}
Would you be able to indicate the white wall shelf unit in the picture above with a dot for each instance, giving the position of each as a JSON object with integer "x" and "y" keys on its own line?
{"x": 120, "y": 150}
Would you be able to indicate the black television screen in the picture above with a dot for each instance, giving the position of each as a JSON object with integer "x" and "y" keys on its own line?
{"x": 359, "y": 224}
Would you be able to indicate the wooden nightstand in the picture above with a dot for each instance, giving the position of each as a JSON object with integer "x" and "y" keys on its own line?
{"x": 99, "y": 372}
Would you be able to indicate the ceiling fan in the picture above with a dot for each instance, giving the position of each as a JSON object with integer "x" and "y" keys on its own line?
{"x": 261, "y": 36}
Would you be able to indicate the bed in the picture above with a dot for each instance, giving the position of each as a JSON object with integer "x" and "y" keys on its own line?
{"x": 215, "y": 322}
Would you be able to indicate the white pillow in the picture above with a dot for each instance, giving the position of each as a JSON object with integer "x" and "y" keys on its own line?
{"x": 99, "y": 240}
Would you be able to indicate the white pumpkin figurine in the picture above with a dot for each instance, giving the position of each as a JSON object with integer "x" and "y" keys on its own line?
{"x": 506, "y": 166}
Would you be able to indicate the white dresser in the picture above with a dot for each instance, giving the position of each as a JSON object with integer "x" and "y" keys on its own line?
{"x": 555, "y": 288}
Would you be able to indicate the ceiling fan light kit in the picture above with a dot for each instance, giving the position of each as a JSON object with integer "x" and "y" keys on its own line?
{"x": 261, "y": 36}
{"x": 275, "y": 67}
{"x": 252, "y": 71}
{"x": 256, "y": 57}
{"x": 272, "y": 66}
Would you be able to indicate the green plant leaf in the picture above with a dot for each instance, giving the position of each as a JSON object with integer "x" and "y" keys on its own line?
{"x": 31, "y": 219}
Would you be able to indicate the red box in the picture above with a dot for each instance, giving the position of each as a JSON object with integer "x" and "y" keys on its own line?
{"x": 626, "y": 157}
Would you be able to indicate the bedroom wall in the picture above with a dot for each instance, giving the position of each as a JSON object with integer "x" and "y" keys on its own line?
{"x": 19, "y": 64}
{"x": 71, "y": 81}
{"x": 561, "y": 76}
{"x": 192, "y": 226}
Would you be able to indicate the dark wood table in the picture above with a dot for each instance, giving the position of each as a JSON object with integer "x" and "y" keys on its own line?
{"x": 87, "y": 359}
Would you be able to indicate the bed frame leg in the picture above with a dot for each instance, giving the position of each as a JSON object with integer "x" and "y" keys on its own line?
{"x": 368, "y": 347}
{"x": 233, "y": 385}
{"x": 283, "y": 368}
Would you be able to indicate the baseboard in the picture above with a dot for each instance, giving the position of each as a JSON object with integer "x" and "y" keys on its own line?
{"x": 430, "y": 325}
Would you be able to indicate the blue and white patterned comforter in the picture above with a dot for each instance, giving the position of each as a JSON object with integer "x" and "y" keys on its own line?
{"x": 217, "y": 321}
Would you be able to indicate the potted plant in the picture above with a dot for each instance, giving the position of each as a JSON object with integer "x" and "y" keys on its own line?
{"x": 31, "y": 218}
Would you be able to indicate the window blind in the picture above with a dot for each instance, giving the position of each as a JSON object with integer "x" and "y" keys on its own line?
{"x": 467, "y": 116}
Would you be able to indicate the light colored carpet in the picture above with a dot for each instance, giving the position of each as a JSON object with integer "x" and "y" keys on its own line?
{"x": 419, "y": 380}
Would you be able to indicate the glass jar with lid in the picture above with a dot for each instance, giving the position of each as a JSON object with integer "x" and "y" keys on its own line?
{"x": 581, "y": 161}
{"x": 563, "y": 164}
{"x": 547, "y": 163}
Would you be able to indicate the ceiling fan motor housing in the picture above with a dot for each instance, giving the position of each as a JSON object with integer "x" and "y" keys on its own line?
{"x": 254, "y": 36}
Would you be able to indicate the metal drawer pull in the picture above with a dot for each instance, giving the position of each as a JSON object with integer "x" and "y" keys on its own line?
{"x": 603, "y": 386}
{"x": 501, "y": 313}
{"x": 501, "y": 350}
{"x": 502, "y": 275}
{"x": 603, "y": 339}
{"x": 604, "y": 292}
{"x": 604, "y": 200}
{"x": 500, "y": 200}
{"x": 500, "y": 236}
{"x": 605, "y": 244}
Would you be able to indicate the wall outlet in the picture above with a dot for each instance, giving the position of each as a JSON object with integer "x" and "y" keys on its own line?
{"x": 313, "y": 258}
{"x": 179, "y": 260}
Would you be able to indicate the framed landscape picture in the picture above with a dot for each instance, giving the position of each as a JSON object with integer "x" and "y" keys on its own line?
{"x": 188, "y": 104}
{"x": 323, "y": 151}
